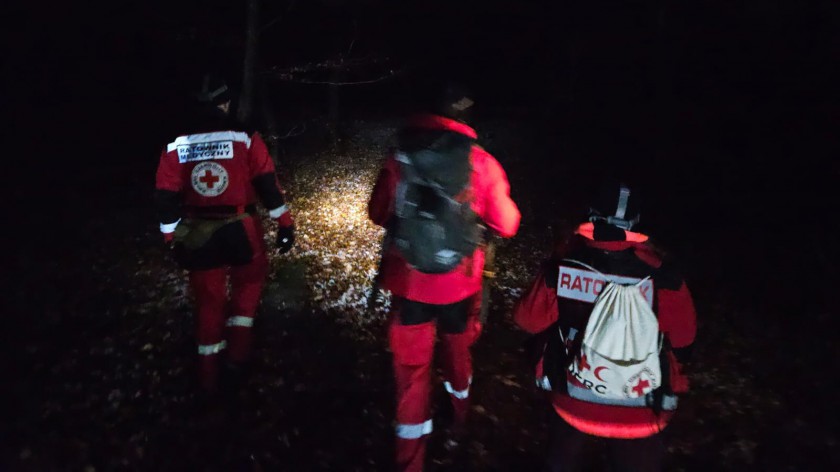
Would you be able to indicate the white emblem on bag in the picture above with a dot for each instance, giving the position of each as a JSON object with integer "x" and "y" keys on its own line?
{"x": 209, "y": 179}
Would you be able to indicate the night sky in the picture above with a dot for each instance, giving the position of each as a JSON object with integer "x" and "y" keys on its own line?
{"x": 724, "y": 112}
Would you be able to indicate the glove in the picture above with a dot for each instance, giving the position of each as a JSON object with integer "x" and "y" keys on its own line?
{"x": 285, "y": 238}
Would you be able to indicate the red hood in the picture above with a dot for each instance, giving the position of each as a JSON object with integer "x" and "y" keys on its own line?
{"x": 587, "y": 230}
{"x": 631, "y": 240}
{"x": 439, "y": 122}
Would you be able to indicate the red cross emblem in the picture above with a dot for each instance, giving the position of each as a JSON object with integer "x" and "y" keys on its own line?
{"x": 640, "y": 387}
{"x": 209, "y": 179}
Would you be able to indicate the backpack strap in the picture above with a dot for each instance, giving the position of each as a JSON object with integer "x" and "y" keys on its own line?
{"x": 587, "y": 266}
{"x": 642, "y": 281}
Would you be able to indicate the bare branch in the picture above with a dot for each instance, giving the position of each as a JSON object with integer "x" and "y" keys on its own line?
{"x": 328, "y": 64}
{"x": 355, "y": 36}
{"x": 288, "y": 78}
{"x": 294, "y": 131}
{"x": 279, "y": 17}
{"x": 271, "y": 23}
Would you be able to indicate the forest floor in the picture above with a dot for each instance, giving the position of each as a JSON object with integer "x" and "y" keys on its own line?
{"x": 100, "y": 350}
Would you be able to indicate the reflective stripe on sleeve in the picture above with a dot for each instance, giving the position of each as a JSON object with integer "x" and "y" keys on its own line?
{"x": 278, "y": 212}
{"x": 607, "y": 429}
{"x": 414, "y": 431}
{"x": 459, "y": 394}
{"x": 210, "y": 349}
{"x": 544, "y": 384}
{"x": 241, "y": 321}
{"x": 202, "y": 138}
{"x": 169, "y": 227}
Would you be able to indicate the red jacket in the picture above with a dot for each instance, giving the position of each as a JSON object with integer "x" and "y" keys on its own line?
{"x": 491, "y": 202}
{"x": 214, "y": 168}
{"x": 540, "y": 308}
{"x": 222, "y": 171}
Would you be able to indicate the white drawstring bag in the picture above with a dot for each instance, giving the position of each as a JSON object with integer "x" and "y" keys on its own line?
{"x": 619, "y": 356}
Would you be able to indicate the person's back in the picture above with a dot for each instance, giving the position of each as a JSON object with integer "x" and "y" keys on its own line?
{"x": 208, "y": 183}
{"x": 427, "y": 302}
{"x": 489, "y": 199}
{"x": 558, "y": 308}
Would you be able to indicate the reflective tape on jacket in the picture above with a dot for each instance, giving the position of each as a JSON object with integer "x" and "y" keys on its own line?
{"x": 169, "y": 227}
{"x": 275, "y": 213}
{"x": 544, "y": 383}
{"x": 209, "y": 138}
{"x": 240, "y": 321}
{"x": 414, "y": 431}
{"x": 210, "y": 349}
{"x": 610, "y": 421}
{"x": 459, "y": 394}
{"x": 606, "y": 429}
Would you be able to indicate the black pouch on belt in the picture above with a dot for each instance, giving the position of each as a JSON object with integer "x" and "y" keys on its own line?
{"x": 202, "y": 244}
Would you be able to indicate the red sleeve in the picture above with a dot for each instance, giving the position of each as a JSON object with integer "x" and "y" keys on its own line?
{"x": 500, "y": 212}
{"x": 260, "y": 160}
{"x": 677, "y": 317}
{"x": 381, "y": 204}
{"x": 168, "y": 175}
{"x": 537, "y": 309}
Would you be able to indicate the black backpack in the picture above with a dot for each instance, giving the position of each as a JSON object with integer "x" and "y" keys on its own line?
{"x": 435, "y": 227}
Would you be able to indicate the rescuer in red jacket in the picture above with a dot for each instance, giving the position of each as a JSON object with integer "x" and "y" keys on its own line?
{"x": 428, "y": 303}
{"x": 207, "y": 186}
{"x": 632, "y": 427}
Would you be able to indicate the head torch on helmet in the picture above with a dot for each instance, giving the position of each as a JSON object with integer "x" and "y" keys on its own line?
{"x": 213, "y": 90}
{"x": 624, "y": 215}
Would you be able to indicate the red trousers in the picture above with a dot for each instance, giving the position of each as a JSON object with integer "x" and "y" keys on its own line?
{"x": 413, "y": 349}
{"x": 225, "y": 322}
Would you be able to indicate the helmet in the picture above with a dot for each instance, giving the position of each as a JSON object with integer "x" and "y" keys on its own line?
{"x": 615, "y": 204}
{"x": 213, "y": 90}
{"x": 454, "y": 101}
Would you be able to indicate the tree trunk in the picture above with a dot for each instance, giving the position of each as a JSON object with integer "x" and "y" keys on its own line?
{"x": 334, "y": 107}
{"x": 252, "y": 31}
{"x": 270, "y": 122}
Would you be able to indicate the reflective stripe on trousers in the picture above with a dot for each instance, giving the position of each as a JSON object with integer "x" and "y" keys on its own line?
{"x": 240, "y": 321}
{"x": 459, "y": 394}
{"x": 210, "y": 349}
{"x": 414, "y": 431}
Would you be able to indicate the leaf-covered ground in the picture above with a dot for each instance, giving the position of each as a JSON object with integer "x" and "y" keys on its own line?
{"x": 98, "y": 354}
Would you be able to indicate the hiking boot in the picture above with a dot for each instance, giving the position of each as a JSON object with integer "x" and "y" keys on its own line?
{"x": 206, "y": 404}
{"x": 456, "y": 435}
{"x": 234, "y": 377}
{"x": 444, "y": 411}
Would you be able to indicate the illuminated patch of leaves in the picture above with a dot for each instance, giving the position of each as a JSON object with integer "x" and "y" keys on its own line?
{"x": 335, "y": 239}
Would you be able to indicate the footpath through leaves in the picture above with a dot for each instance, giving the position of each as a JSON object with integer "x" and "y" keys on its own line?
{"x": 98, "y": 364}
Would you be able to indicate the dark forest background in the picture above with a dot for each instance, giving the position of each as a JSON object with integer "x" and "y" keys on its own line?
{"x": 724, "y": 112}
